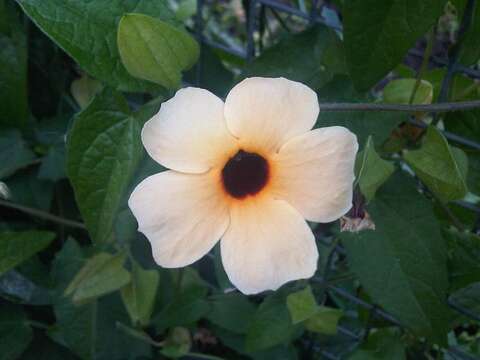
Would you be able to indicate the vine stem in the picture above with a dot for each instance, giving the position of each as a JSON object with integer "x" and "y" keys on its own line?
{"x": 432, "y": 108}
{"x": 42, "y": 215}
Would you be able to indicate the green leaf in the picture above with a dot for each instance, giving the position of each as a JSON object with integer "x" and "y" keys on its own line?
{"x": 436, "y": 165}
{"x": 384, "y": 344}
{"x": 311, "y": 57}
{"x": 16, "y": 247}
{"x": 407, "y": 274}
{"x": 139, "y": 295}
{"x": 154, "y": 50}
{"x": 371, "y": 170}
{"x": 302, "y": 305}
{"x": 399, "y": 91}
{"x": 469, "y": 49}
{"x": 101, "y": 274}
{"x": 379, "y": 34}
{"x": 15, "y": 334}
{"x": 87, "y": 31}
{"x": 91, "y": 330}
{"x": 324, "y": 321}
{"x": 53, "y": 164}
{"x": 232, "y": 312}
{"x": 363, "y": 124}
{"x": 177, "y": 343}
{"x": 14, "y": 153}
{"x": 13, "y": 70}
{"x": 84, "y": 90}
{"x": 103, "y": 151}
{"x": 464, "y": 262}
{"x": 271, "y": 324}
{"x": 467, "y": 298}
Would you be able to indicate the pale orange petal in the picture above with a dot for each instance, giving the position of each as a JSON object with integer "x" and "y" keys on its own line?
{"x": 315, "y": 173}
{"x": 183, "y": 215}
{"x": 189, "y": 133}
{"x": 267, "y": 244}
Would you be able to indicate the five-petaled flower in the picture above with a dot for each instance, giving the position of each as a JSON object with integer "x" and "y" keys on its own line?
{"x": 249, "y": 171}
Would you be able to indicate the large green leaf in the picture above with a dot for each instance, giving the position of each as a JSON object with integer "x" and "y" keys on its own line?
{"x": 402, "y": 263}
{"x": 464, "y": 262}
{"x": 15, "y": 333}
{"x": 469, "y": 49}
{"x": 14, "y": 152}
{"x": 16, "y": 247}
{"x": 100, "y": 275}
{"x": 378, "y": 34}
{"x": 384, "y": 344}
{"x": 13, "y": 69}
{"x": 139, "y": 295}
{"x": 154, "y": 50}
{"x": 311, "y": 57}
{"x": 271, "y": 324}
{"x": 371, "y": 170}
{"x": 302, "y": 305}
{"x": 363, "y": 124}
{"x": 467, "y": 298}
{"x": 103, "y": 151}
{"x": 441, "y": 167}
{"x": 233, "y": 312}
{"x": 399, "y": 91}
{"x": 87, "y": 31}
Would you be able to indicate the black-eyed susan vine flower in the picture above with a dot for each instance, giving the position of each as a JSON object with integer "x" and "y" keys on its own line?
{"x": 248, "y": 173}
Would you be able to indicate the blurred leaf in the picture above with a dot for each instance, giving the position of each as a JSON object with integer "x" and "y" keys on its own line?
{"x": 467, "y": 298}
{"x": 469, "y": 50}
{"x": 26, "y": 189}
{"x": 464, "y": 123}
{"x": 154, "y": 50}
{"x": 53, "y": 164}
{"x": 91, "y": 36}
{"x": 233, "y": 312}
{"x": 436, "y": 164}
{"x": 302, "y": 305}
{"x": 324, "y": 321}
{"x": 84, "y": 90}
{"x": 13, "y": 69}
{"x": 379, "y": 34}
{"x": 186, "y": 9}
{"x": 271, "y": 324}
{"x": 408, "y": 274}
{"x": 16, "y": 247}
{"x": 103, "y": 151}
{"x": 311, "y": 57}
{"x": 363, "y": 124}
{"x": 399, "y": 91}
{"x": 371, "y": 170}
{"x": 139, "y": 295}
{"x": 42, "y": 348}
{"x": 14, "y": 153}
{"x": 101, "y": 274}
{"x": 177, "y": 343}
{"x": 15, "y": 287}
{"x": 15, "y": 333}
{"x": 186, "y": 308}
{"x": 464, "y": 262}
{"x": 384, "y": 344}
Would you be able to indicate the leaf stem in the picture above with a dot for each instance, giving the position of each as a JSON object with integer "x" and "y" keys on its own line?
{"x": 433, "y": 108}
{"x": 42, "y": 215}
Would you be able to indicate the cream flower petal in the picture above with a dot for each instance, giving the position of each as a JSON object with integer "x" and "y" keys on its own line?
{"x": 267, "y": 112}
{"x": 189, "y": 133}
{"x": 315, "y": 173}
{"x": 183, "y": 215}
{"x": 267, "y": 244}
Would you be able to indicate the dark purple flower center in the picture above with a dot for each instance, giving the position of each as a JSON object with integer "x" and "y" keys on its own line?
{"x": 245, "y": 174}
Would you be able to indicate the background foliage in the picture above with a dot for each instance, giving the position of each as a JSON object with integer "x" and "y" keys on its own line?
{"x": 79, "y": 78}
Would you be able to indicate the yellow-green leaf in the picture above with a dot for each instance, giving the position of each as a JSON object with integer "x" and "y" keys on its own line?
{"x": 154, "y": 50}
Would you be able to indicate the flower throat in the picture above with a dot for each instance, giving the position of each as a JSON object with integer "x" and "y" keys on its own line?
{"x": 245, "y": 174}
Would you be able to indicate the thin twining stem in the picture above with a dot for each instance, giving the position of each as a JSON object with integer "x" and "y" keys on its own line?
{"x": 42, "y": 215}
{"x": 432, "y": 108}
